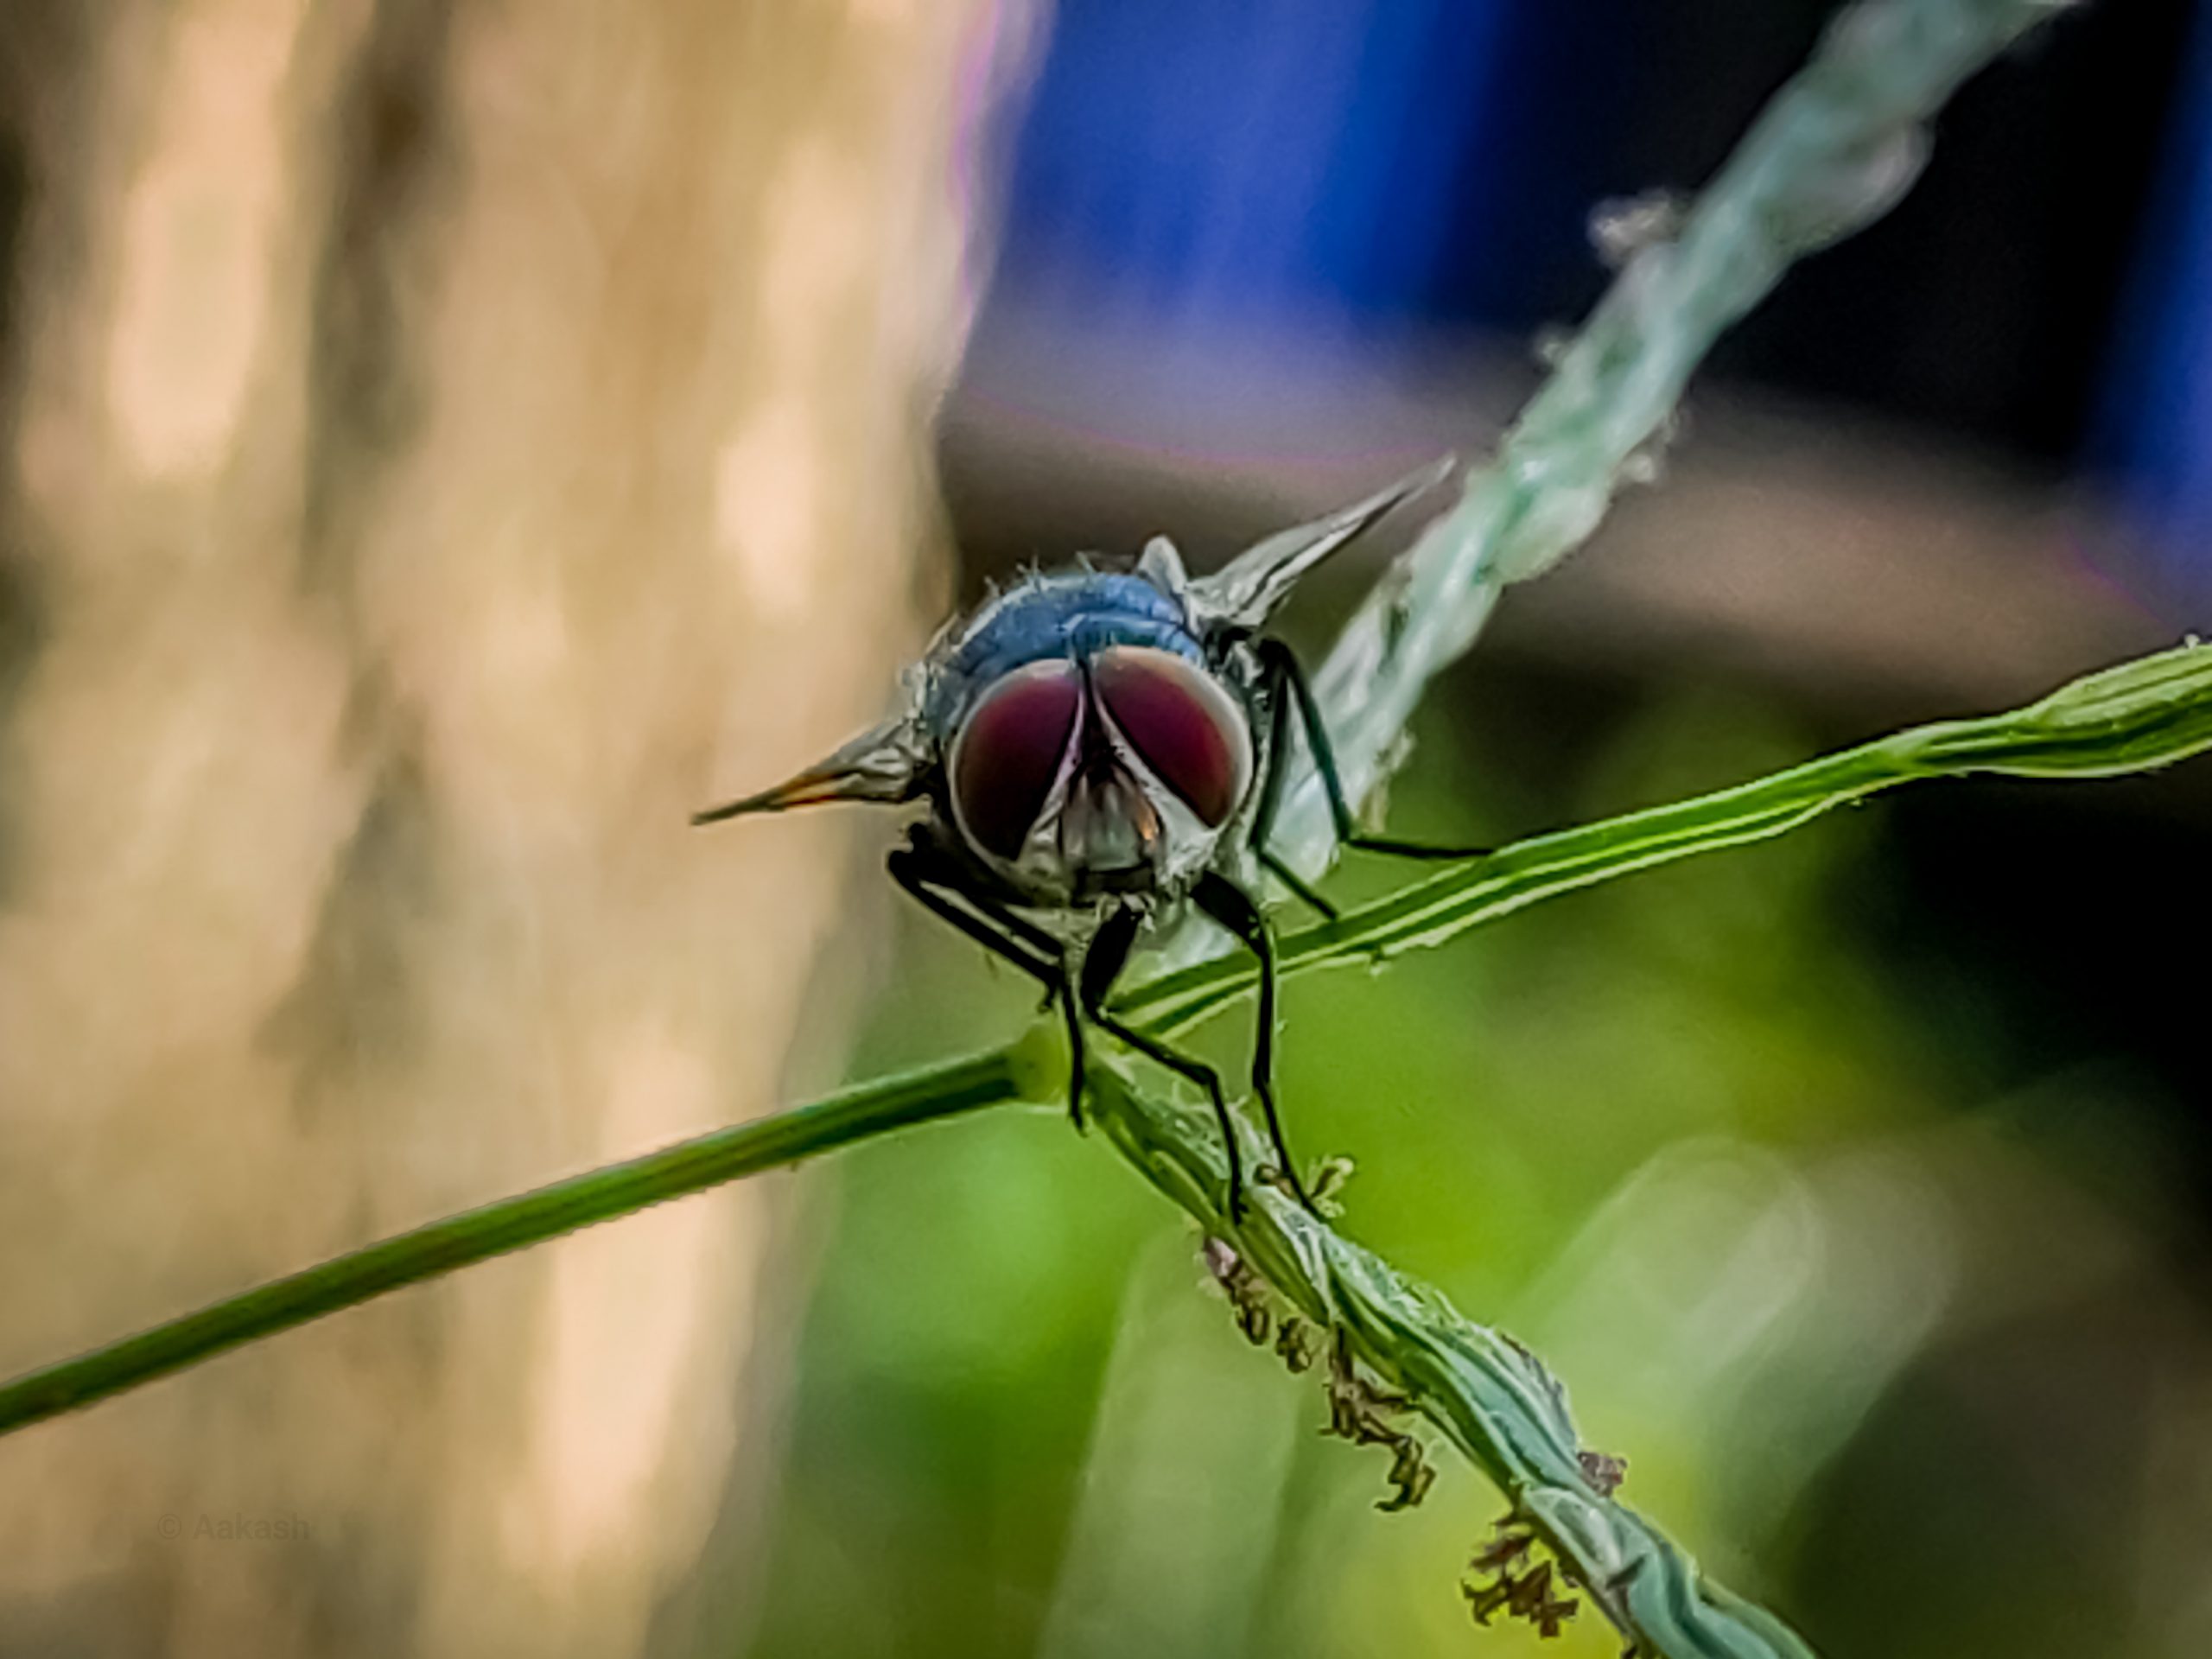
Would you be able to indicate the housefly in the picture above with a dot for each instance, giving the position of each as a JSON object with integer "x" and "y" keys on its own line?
{"x": 1098, "y": 749}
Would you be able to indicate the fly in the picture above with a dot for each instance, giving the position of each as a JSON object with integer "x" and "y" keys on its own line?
{"x": 1097, "y": 749}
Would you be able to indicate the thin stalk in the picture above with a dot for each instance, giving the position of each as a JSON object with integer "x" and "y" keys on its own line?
{"x": 1836, "y": 148}
{"x": 1484, "y": 1392}
{"x": 515, "y": 1223}
{"x": 2137, "y": 717}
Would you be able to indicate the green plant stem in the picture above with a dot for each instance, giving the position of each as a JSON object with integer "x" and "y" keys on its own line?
{"x": 2139, "y": 715}
{"x": 1833, "y": 150}
{"x": 1487, "y": 1394}
{"x": 515, "y": 1223}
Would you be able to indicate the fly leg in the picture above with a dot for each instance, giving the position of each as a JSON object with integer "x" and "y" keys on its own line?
{"x": 937, "y": 882}
{"x": 1102, "y": 966}
{"x": 1286, "y": 684}
{"x": 1263, "y": 816}
{"x": 1230, "y": 905}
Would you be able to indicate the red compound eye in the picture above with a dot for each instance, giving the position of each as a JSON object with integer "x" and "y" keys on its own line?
{"x": 1009, "y": 751}
{"x": 1183, "y": 724}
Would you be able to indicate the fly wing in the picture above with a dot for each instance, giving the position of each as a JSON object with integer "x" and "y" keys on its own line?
{"x": 1244, "y": 592}
{"x": 886, "y": 763}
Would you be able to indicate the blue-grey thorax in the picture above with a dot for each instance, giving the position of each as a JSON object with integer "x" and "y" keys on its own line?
{"x": 1069, "y": 615}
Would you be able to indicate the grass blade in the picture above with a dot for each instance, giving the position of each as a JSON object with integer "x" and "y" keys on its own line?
{"x": 516, "y": 1223}
{"x": 2139, "y": 715}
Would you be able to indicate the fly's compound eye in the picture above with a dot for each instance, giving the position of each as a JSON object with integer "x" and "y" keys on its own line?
{"x": 1009, "y": 752}
{"x": 1182, "y": 722}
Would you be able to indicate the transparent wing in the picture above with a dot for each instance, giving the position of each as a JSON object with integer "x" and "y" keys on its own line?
{"x": 886, "y": 763}
{"x": 1244, "y": 592}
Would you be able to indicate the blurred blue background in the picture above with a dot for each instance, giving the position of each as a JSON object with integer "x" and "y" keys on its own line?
{"x": 1421, "y": 163}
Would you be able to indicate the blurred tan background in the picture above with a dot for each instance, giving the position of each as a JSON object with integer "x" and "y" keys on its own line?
{"x": 444, "y": 445}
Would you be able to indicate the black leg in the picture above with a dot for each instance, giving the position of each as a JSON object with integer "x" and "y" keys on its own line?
{"x": 1299, "y": 888}
{"x": 931, "y": 865}
{"x": 1281, "y": 675}
{"x": 925, "y": 863}
{"x": 1102, "y": 966}
{"x": 1263, "y": 816}
{"x": 917, "y": 868}
{"x": 912, "y": 871}
{"x": 1231, "y": 906}
{"x": 1072, "y": 1013}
